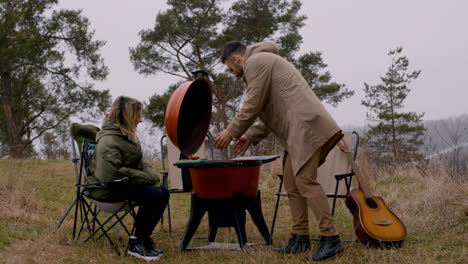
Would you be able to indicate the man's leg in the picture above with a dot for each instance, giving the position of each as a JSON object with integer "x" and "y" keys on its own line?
{"x": 297, "y": 202}
{"x": 299, "y": 240}
{"x": 306, "y": 182}
{"x": 312, "y": 191}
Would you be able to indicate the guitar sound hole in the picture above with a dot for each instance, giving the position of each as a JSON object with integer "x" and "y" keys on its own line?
{"x": 371, "y": 203}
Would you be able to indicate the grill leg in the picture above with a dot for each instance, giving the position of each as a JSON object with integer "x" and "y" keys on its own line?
{"x": 197, "y": 212}
{"x": 255, "y": 211}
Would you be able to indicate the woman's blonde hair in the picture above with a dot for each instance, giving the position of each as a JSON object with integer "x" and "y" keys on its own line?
{"x": 124, "y": 111}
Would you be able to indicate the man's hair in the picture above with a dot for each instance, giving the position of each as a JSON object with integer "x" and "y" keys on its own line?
{"x": 232, "y": 47}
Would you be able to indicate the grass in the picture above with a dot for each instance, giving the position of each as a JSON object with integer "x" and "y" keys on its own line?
{"x": 34, "y": 195}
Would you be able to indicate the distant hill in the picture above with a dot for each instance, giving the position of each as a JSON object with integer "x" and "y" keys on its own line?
{"x": 442, "y": 136}
{"x": 444, "y": 133}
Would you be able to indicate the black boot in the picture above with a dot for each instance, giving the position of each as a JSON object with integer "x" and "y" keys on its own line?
{"x": 297, "y": 244}
{"x": 330, "y": 246}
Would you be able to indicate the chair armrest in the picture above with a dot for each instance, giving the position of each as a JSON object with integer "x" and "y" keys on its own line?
{"x": 164, "y": 174}
{"x": 123, "y": 180}
{"x": 342, "y": 176}
{"x": 120, "y": 181}
{"x": 176, "y": 191}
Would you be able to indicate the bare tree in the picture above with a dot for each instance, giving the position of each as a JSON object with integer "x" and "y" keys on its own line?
{"x": 454, "y": 134}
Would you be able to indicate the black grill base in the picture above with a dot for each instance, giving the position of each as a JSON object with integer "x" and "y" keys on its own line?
{"x": 226, "y": 213}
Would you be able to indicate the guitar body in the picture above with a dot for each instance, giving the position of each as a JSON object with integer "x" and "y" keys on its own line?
{"x": 374, "y": 224}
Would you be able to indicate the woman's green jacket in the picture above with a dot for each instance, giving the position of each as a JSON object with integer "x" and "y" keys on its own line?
{"x": 117, "y": 157}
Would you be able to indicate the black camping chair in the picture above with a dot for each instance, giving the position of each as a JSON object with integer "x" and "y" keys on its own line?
{"x": 87, "y": 210}
{"x": 346, "y": 176}
{"x": 185, "y": 175}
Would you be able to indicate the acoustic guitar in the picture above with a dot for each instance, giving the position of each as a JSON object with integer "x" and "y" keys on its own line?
{"x": 374, "y": 224}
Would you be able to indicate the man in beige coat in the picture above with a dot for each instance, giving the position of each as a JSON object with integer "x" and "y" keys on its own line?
{"x": 280, "y": 101}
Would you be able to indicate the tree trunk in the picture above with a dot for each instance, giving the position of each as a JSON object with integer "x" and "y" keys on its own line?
{"x": 394, "y": 148}
{"x": 15, "y": 150}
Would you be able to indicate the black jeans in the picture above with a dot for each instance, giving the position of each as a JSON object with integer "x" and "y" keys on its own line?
{"x": 152, "y": 202}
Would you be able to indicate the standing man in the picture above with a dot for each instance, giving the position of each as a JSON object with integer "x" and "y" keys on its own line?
{"x": 286, "y": 106}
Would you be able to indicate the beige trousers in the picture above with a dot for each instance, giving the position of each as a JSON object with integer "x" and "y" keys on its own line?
{"x": 303, "y": 189}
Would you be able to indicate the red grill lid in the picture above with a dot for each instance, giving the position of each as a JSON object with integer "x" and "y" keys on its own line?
{"x": 188, "y": 115}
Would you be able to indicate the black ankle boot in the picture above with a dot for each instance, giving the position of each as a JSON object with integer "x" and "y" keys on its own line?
{"x": 297, "y": 244}
{"x": 330, "y": 246}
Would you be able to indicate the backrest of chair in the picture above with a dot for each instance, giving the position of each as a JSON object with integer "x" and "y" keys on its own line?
{"x": 178, "y": 178}
{"x": 337, "y": 163}
{"x": 87, "y": 154}
{"x": 84, "y": 137}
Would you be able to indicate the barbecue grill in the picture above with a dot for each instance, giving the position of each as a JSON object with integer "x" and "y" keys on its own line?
{"x": 223, "y": 188}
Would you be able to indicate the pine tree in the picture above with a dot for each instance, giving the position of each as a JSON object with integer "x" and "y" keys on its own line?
{"x": 393, "y": 134}
{"x": 189, "y": 35}
{"x": 48, "y": 62}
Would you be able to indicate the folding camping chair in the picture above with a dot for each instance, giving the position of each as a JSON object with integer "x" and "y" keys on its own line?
{"x": 180, "y": 178}
{"x": 87, "y": 210}
{"x": 335, "y": 164}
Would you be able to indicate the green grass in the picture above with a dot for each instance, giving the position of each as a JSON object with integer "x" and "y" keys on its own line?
{"x": 35, "y": 194}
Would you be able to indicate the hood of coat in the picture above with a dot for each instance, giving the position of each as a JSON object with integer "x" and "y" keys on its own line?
{"x": 261, "y": 47}
{"x": 109, "y": 128}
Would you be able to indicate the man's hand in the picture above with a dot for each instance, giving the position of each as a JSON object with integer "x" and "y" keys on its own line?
{"x": 223, "y": 139}
{"x": 241, "y": 145}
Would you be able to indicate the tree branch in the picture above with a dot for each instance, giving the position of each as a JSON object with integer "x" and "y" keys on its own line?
{"x": 166, "y": 71}
{"x": 197, "y": 44}
{"x": 48, "y": 70}
{"x": 23, "y": 129}
{"x": 189, "y": 76}
{"x": 48, "y": 128}
{"x": 14, "y": 3}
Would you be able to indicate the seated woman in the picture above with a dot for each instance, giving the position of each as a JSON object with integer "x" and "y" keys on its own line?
{"x": 118, "y": 164}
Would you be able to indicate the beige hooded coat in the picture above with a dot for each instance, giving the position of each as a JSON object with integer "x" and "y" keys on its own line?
{"x": 285, "y": 104}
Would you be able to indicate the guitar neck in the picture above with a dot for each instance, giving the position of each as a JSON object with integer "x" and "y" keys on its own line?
{"x": 361, "y": 182}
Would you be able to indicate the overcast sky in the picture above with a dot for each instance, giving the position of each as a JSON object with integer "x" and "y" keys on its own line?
{"x": 354, "y": 37}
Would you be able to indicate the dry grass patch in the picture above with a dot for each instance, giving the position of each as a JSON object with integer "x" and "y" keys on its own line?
{"x": 35, "y": 194}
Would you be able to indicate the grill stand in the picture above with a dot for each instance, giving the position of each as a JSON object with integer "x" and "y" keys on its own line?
{"x": 225, "y": 213}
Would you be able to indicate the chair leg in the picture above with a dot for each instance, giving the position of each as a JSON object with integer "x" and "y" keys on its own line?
{"x": 166, "y": 184}
{"x": 59, "y": 223}
{"x": 83, "y": 216}
{"x": 101, "y": 226}
{"x": 348, "y": 181}
{"x": 93, "y": 219}
{"x": 133, "y": 214}
{"x": 124, "y": 227}
{"x": 118, "y": 220}
{"x": 278, "y": 196}
{"x": 115, "y": 228}
{"x": 334, "y": 197}
{"x": 76, "y": 216}
{"x": 169, "y": 219}
{"x": 96, "y": 212}
{"x": 84, "y": 212}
